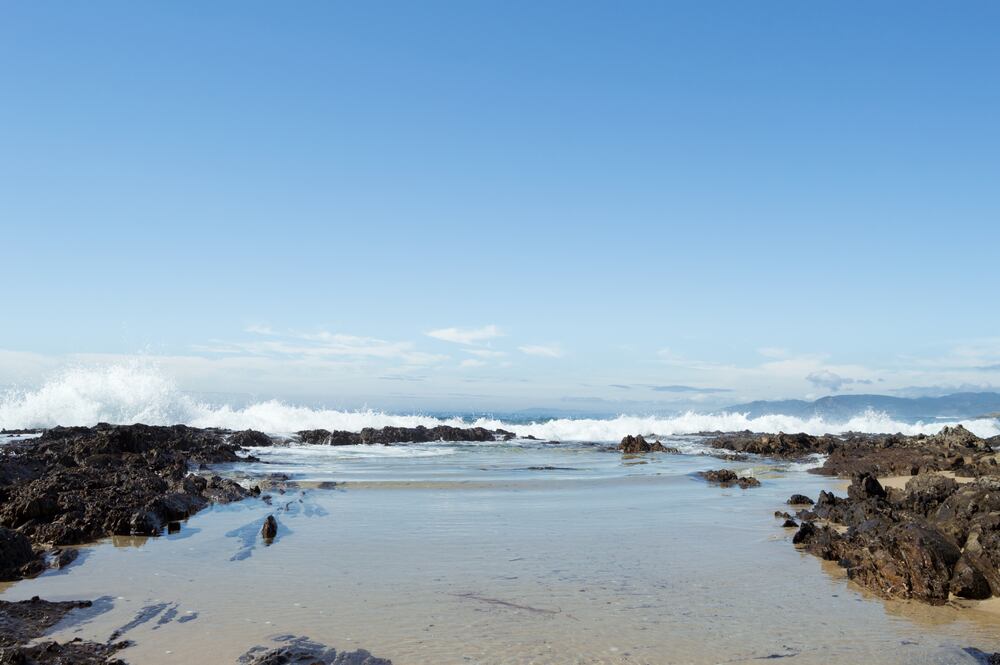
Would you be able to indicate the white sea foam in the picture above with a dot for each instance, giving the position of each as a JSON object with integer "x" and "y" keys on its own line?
{"x": 138, "y": 392}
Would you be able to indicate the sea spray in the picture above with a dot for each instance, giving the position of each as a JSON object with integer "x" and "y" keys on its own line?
{"x": 140, "y": 392}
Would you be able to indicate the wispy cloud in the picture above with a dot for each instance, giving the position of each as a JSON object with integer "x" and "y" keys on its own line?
{"x": 688, "y": 389}
{"x": 259, "y": 329}
{"x": 832, "y": 381}
{"x": 545, "y": 351}
{"x": 322, "y": 344}
{"x": 485, "y": 353}
{"x": 466, "y": 335}
{"x": 471, "y": 362}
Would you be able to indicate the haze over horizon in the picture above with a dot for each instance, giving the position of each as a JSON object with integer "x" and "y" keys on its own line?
{"x": 448, "y": 206}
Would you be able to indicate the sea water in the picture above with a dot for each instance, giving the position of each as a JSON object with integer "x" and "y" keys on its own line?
{"x": 506, "y": 552}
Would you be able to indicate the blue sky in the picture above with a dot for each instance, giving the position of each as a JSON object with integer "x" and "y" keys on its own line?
{"x": 504, "y": 204}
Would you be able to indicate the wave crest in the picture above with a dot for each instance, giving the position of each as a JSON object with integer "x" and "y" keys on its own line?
{"x": 138, "y": 392}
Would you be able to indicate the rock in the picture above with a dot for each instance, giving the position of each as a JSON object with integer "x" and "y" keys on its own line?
{"x": 637, "y": 444}
{"x": 806, "y": 531}
{"x": 23, "y": 622}
{"x": 391, "y": 435}
{"x": 727, "y": 478}
{"x": 79, "y": 484}
{"x": 250, "y": 438}
{"x": 790, "y": 524}
{"x": 908, "y": 560}
{"x": 65, "y": 557}
{"x": 968, "y": 582}
{"x": 933, "y": 538}
{"x": 303, "y": 651}
{"x": 799, "y": 500}
{"x": 270, "y": 528}
{"x": 865, "y": 486}
{"x": 787, "y": 446}
{"x": 925, "y": 492}
{"x": 895, "y": 454}
{"x": 15, "y": 553}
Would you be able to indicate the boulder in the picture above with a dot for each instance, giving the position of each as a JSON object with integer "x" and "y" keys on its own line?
{"x": 637, "y": 444}
{"x": 270, "y": 528}
{"x": 15, "y": 553}
{"x": 727, "y": 478}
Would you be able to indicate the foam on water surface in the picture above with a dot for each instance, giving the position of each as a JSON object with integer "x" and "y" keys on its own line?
{"x": 138, "y": 392}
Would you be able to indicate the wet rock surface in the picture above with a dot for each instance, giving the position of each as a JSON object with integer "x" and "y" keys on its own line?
{"x": 781, "y": 445}
{"x": 23, "y": 622}
{"x": 953, "y": 448}
{"x": 303, "y": 651}
{"x": 933, "y": 538}
{"x": 75, "y": 485}
{"x": 727, "y": 478}
{"x": 634, "y": 445}
{"x": 391, "y": 435}
{"x": 16, "y": 554}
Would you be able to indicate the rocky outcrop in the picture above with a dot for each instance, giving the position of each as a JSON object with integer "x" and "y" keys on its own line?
{"x": 953, "y": 448}
{"x": 787, "y": 446}
{"x": 933, "y": 538}
{"x": 727, "y": 478}
{"x": 250, "y": 438}
{"x": 391, "y": 435}
{"x": 25, "y": 621}
{"x": 15, "y": 554}
{"x": 303, "y": 651}
{"x": 75, "y": 485}
{"x": 634, "y": 445}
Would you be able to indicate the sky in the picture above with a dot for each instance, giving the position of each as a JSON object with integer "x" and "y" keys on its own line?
{"x": 467, "y": 205}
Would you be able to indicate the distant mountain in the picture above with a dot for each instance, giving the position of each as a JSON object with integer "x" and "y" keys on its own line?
{"x": 842, "y": 407}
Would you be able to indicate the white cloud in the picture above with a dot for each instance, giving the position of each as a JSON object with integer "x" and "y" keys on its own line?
{"x": 259, "y": 329}
{"x": 551, "y": 351}
{"x": 826, "y": 379}
{"x": 323, "y": 344}
{"x": 471, "y": 362}
{"x": 466, "y": 335}
{"x": 485, "y": 353}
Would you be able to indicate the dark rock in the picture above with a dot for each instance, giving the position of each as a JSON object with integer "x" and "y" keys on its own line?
{"x": 65, "y": 557}
{"x": 303, "y": 651}
{"x": 865, "y": 486}
{"x": 787, "y": 446}
{"x": 799, "y": 500}
{"x": 636, "y": 444}
{"x": 806, "y": 531}
{"x": 925, "y": 492}
{"x": 15, "y": 553}
{"x": 250, "y": 438}
{"x": 968, "y": 582}
{"x": 908, "y": 560}
{"x": 23, "y": 622}
{"x": 727, "y": 478}
{"x": 390, "y": 435}
{"x": 270, "y": 528}
{"x": 895, "y": 454}
{"x": 790, "y": 524}
{"x": 78, "y": 484}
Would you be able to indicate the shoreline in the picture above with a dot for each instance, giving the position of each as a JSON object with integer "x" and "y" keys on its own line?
{"x": 279, "y": 485}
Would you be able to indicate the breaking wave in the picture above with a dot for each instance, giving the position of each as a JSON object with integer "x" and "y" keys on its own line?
{"x": 137, "y": 392}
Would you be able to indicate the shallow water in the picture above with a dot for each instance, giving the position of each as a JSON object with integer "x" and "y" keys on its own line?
{"x": 459, "y": 553}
